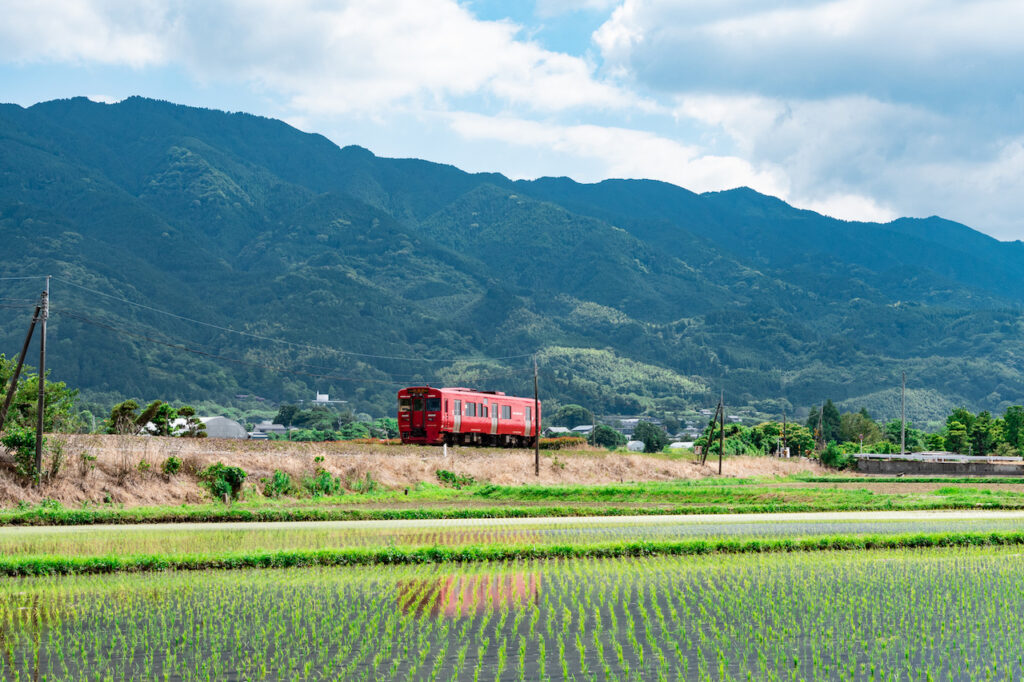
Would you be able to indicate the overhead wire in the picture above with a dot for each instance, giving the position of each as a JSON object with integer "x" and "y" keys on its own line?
{"x": 218, "y": 356}
{"x": 268, "y": 338}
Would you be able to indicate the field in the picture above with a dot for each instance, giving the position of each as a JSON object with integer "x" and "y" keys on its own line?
{"x": 607, "y": 567}
{"x": 893, "y": 615}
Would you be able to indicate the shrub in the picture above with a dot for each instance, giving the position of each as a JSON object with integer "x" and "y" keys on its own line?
{"x": 277, "y": 485}
{"x": 368, "y": 485}
{"x": 454, "y": 480}
{"x": 171, "y": 466}
{"x": 322, "y": 483}
{"x": 22, "y": 444}
{"x": 833, "y": 456}
{"x": 562, "y": 443}
{"x": 222, "y": 480}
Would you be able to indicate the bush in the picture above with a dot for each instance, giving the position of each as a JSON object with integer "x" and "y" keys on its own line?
{"x": 22, "y": 444}
{"x": 833, "y": 456}
{"x": 277, "y": 485}
{"x": 322, "y": 484}
{"x": 222, "y": 480}
{"x": 171, "y": 466}
{"x": 562, "y": 443}
{"x": 368, "y": 485}
{"x": 454, "y": 480}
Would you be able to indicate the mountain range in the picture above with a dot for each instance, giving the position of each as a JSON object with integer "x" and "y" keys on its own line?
{"x": 289, "y": 264}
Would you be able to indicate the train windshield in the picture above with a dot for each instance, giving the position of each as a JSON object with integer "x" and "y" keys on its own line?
{"x": 403, "y": 404}
{"x": 433, "y": 404}
{"x": 417, "y": 404}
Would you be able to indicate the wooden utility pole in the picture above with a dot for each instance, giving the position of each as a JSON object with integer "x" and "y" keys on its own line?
{"x": 536, "y": 421}
{"x": 785, "y": 444}
{"x": 821, "y": 427}
{"x": 721, "y": 431}
{"x": 40, "y": 407}
{"x": 903, "y": 416}
{"x": 17, "y": 369}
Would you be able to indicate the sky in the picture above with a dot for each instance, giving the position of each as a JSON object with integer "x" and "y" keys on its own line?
{"x": 859, "y": 109}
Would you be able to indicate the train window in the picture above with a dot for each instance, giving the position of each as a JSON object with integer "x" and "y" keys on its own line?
{"x": 417, "y": 404}
{"x": 433, "y": 404}
{"x": 458, "y": 407}
{"x": 506, "y": 411}
{"x": 446, "y": 407}
{"x": 483, "y": 410}
{"x": 470, "y": 409}
{"x": 529, "y": 413}
{"x": 403, "y": 404}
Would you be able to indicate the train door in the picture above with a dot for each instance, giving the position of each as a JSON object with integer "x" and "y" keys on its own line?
{"x": 458, "y": 417}
{"x": 418, "y": 416}
{"x": 494, "y": 418}
{"x": 527, "y": 421}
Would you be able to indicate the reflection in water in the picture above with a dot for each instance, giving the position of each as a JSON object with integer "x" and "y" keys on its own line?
{"x": 455, "y": 596}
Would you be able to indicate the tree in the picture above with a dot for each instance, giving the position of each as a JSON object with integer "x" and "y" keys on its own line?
{"x": 914, "y": 438}
{"x": 608, "y": 437}
{"x": 286, "y": 415}
{"x": 59, "y": 401}
{"x": 653, "y": 437}
{"x": 855, "y": 425}
{"x": 1013, "y": 426}
{"x": 571, "y": 416}
{"x": 985, "y": 434}
{"x": 957, "y": 439}
{"x": 672, "y": 425}
{"x": 163, "y": 420}
{"x": 828, "y": 418}
{"x": 385, "y": 427}
{"x": 194, "y": 426}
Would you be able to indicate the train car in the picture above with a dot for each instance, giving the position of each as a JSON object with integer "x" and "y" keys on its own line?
{"x": 462, "y": 416}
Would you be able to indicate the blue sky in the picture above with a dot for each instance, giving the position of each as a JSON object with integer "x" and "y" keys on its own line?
{"x": 861, "y": 109}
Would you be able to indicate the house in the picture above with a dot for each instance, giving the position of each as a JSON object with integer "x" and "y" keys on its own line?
{"x": 557, "y": 431}
{"x": 583, "y": 430}
{"x": 266, "y": 427}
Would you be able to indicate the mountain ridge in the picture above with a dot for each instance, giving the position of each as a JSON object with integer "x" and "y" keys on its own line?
{"x": 247, "y": 221}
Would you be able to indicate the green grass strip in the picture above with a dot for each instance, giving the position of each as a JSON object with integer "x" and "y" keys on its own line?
{"x": 84, "y": 517}
{"x": 43, "y": 566}
{"x": 868, "y": 478}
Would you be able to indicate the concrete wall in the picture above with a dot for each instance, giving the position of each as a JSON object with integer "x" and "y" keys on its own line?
{"x": 896, "y": 466}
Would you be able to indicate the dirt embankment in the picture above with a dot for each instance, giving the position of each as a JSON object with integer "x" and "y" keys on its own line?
{"x": 126, "y": 469}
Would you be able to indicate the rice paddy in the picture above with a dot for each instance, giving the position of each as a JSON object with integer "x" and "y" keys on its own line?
{"x": 948, "y": 614}
{"x": 209, "y": 539}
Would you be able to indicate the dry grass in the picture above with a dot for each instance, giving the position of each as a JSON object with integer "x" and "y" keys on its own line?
{"x": 115, "y": 473}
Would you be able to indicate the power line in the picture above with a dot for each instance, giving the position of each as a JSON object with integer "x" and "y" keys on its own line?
{"x": 217, "y": 356}
{"x": 267, "y": 338}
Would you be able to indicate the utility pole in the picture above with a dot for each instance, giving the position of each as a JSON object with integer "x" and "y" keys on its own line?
{"x": 17, "y": 369}
{"x": 821, "y": 427}
{"x": 721, "y": 431}
{"x": 785, "y": 443}
{"x": 44, "y": 312}
{"x": 536, "y": 421}
{"x": 902, "y": 425}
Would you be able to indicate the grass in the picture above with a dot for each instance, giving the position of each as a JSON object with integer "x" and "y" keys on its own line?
{"x": 56, "y": 565}
{"x": 428, "y": 501}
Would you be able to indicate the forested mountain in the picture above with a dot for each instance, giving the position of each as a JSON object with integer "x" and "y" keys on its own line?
{"x": 356, "y": 274}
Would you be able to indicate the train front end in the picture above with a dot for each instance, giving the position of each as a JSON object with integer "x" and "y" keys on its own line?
{"x": 419, "y": 415}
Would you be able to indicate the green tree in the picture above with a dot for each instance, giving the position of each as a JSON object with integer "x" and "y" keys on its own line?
{"x": 385, "y": 427}
{"x": 194, "y": 426}
{"x": 286, "y": 415}
{"x": 571, "y": 416}
{"x": 855, "y": 425}
{"x": 1013, "y": 426}
{"x": 653, "y": 437}
{"x": 608, "y": 437}
{"x": 59, "y": 402}
{"x": 827, "y": 416}
{"x": 163, "y": 420}
{"x": 957, "y": 438}
{"x": 985, "y": 434}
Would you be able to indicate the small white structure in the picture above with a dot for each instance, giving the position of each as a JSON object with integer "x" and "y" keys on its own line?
{"x": 557, "y": 430}
{"x": 322, "y": 398}
{"x": 635, "y": 446}
{"x": 681, "y": 445}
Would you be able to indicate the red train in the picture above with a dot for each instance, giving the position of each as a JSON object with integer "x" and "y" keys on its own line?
{"x": 432, "y": 416}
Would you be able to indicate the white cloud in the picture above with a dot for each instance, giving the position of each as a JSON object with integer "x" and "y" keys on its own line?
{"x": 550, "y": 8}
{"x": 624, "y": 153}
{"x": 349, "y": 56}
